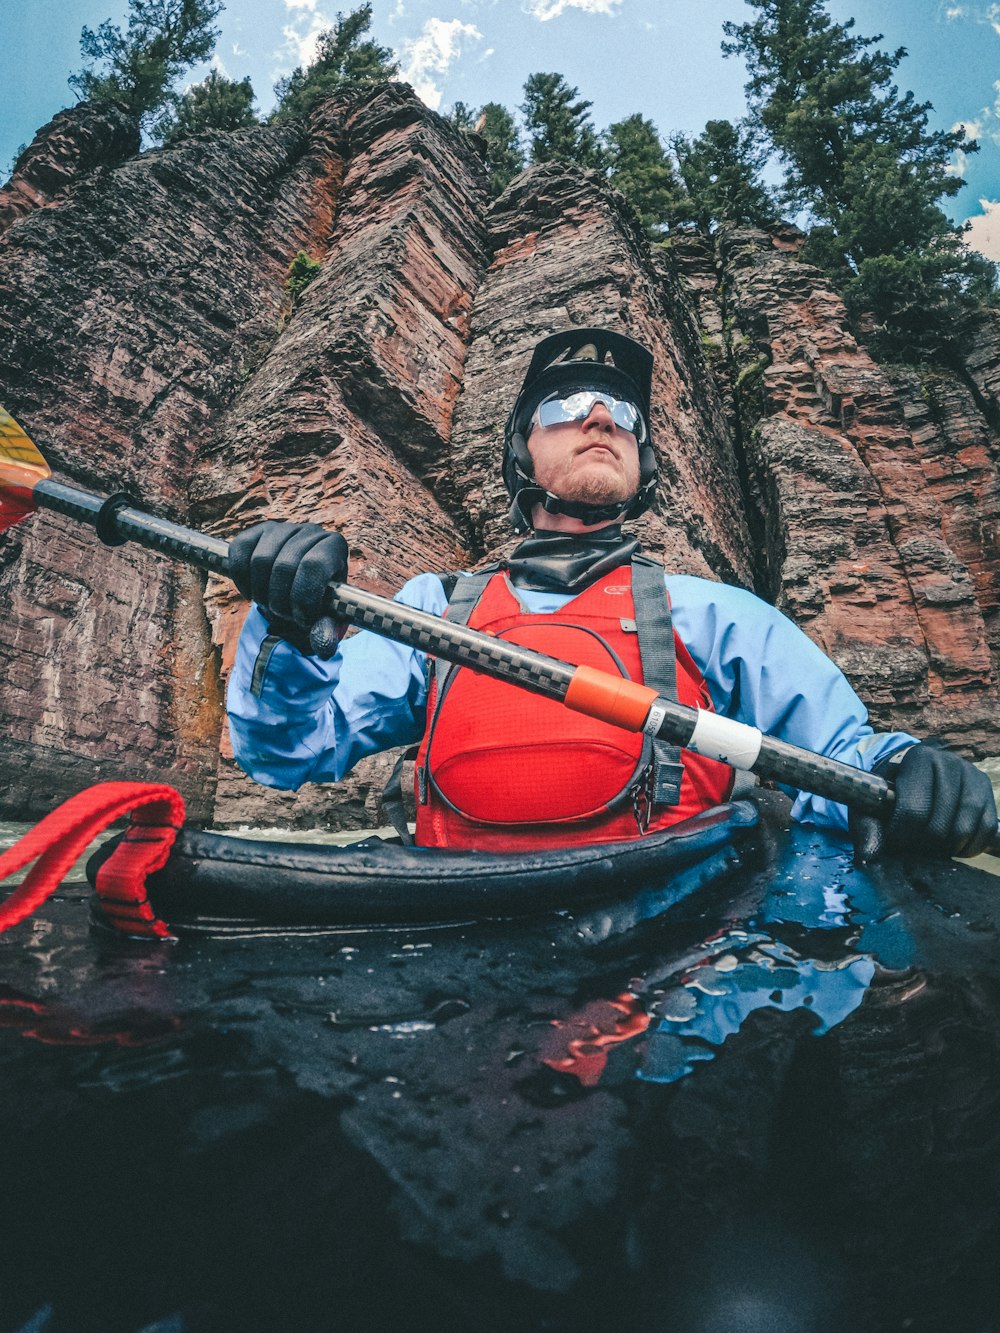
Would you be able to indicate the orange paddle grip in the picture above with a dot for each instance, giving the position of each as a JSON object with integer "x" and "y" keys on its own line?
{"x": 623, "y": 703}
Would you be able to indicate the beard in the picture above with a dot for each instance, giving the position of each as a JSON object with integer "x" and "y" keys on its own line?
{"x": 590, "y": 484}
{"x": 597, "y": 490}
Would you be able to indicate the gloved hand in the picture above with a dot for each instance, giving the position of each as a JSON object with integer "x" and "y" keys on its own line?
{"x": 944, "y": 807}
{"x": 284, "y": 568}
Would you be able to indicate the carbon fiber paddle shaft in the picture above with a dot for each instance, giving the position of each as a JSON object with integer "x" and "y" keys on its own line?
{"x": 773, "y": 759}
{"x": 392, "y": 620}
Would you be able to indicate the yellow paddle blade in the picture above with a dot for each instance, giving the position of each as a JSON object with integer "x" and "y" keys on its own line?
{"x": 22, "y": 467}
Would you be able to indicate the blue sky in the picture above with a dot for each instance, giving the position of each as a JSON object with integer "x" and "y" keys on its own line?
{"x": 659, "y": 57}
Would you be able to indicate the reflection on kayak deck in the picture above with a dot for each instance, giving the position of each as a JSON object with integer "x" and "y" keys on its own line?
{"x": 772, "y": 1108}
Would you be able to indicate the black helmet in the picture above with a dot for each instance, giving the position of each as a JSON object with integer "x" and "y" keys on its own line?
{"x": 573, "y": 360}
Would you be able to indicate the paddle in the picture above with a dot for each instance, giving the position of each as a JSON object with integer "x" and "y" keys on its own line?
{"x": 26, "y": 484}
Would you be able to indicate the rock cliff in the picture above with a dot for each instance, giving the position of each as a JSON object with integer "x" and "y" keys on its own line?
{"x": 147, "y": 343}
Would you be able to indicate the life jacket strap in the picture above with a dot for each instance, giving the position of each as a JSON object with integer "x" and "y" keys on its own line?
{"x": 464, "y": 596}
{"x": 61, "y": 838}
{"x": 655, "y": 628}
{"x": 393, "y": 806}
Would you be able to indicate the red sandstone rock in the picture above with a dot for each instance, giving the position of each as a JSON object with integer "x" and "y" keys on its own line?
{"x": 64, "y": 151}
{"x": 146, "y": 340}
{"x": 350, "y": 414}
{"x": 858, "y": 551}
{"x": 132, "y": 311}
{"x": 566, "y": 253}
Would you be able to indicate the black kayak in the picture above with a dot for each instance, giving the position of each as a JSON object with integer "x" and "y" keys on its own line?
{"x": 217, "y": 883}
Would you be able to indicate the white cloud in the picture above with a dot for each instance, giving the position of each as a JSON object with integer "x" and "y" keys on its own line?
{"x": 983, "y": 14}
{"x": 432, "y": 53}
{"x": 301, "y": 34}
{"x": 302, "y": 44}
{"x": 543, "y": 10}
{"x": 984, "y": 230}
{"x": 959, "y": 164}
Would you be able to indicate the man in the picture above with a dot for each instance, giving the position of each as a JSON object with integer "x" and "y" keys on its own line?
{"x": 499, "y": 768}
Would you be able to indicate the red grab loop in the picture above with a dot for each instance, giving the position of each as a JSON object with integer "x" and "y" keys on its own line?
{"x": 62, "y": 837}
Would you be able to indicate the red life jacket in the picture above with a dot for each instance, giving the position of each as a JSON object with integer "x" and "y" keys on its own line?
{"x": 504, "y": 770}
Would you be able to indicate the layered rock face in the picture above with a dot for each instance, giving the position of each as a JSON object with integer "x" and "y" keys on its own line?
{"x": 347, "y": 420}
{"x": 147, "y": 343}
{"x": 865, "y": 482}
{"x": 72, "y": 145}
{"x": 566, "y": 253}
{"x": 132, "y": 307}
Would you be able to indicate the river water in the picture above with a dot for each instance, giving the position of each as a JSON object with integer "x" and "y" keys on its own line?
{"x": 775, "y": 1109}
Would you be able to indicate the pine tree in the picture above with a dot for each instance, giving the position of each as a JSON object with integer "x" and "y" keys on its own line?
{"x": 557, "y": 119}
{"x": 217, "y": 103}
{"x": 495, "y": 124}
{"x": 135, "y": 69}
{"x": 639, "y": 166}
{"x": 504, "y": 154}
{"x": 860, "y": 156}
{"x": 343, "y": 62}
{"x": 464, "y": 117}
{"x": 720, "y": 171}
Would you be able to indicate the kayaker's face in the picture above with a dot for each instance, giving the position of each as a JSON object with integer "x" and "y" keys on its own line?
{"x": 594, "y": 461}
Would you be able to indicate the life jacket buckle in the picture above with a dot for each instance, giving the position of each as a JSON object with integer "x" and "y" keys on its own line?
{"x": 642, "y": 799}
{"x": 667, "y": 775}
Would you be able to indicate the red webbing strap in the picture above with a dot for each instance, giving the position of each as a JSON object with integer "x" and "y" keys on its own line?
{"x": 62, "y": 837}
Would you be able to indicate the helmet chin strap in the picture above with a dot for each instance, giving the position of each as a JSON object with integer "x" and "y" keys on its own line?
{"x": 529, "y": 496}
{"x": 588, "y": 513}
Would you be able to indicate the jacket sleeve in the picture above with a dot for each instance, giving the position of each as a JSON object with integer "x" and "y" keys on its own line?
{"x": 762, "y": 669}
{"x": 296, "y": 719}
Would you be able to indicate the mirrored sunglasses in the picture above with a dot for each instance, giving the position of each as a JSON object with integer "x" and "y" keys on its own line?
{"x": 579, "y": 405}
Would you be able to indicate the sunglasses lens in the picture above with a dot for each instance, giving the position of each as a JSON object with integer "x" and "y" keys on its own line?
{"x": 626, "y": 415}
{"x": 578, "y": 406}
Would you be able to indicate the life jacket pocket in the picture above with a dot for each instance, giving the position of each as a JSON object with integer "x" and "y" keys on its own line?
{"x": 498, "y": 756}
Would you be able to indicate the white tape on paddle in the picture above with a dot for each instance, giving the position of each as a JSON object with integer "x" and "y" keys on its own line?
{"x": 721, "y": 738}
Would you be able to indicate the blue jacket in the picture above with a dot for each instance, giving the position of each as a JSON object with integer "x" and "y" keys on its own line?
{"x": 296, "y": 719}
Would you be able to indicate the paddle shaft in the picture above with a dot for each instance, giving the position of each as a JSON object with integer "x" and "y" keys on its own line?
{"x": 638, "y": 708}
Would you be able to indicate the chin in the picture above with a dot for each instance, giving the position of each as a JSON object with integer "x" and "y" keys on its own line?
{"x": 600, "y": 492}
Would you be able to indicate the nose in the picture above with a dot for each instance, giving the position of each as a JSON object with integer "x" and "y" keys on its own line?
{"x": 599, "y": 416}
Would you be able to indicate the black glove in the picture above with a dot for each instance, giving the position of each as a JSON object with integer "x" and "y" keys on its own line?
{"x": 284, "y": 568}
{"x": 944, "y": 807}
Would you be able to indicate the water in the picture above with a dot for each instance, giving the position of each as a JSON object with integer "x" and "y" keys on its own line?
{"x": 773, "y": 1110}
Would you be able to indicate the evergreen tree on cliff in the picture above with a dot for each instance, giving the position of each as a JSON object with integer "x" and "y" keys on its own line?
{"x": 343, "y": 62}
{"x": 495, "y": 124}
{"x": 558, "y": 122}
{"x": 720, "y": 172}
{"x": 135, "y": 69}
{"x": 639, "y": 166}
{"x": 217, "y": 103}
{"x": 861, "y": 157}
